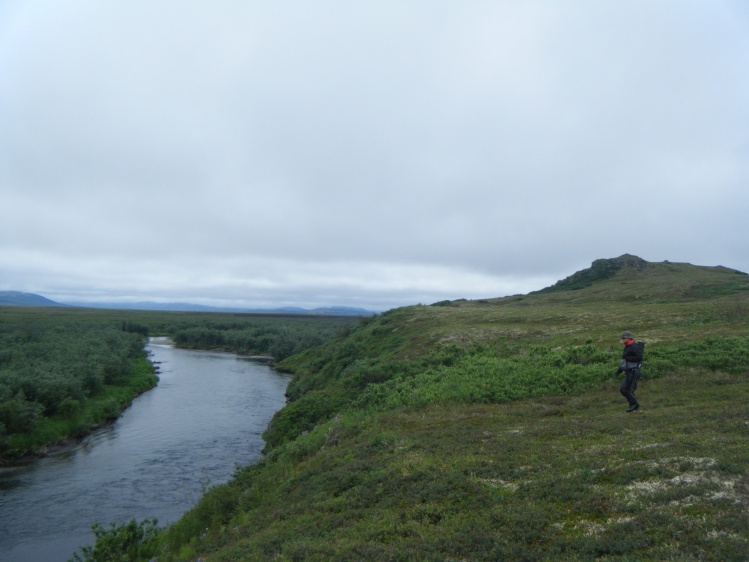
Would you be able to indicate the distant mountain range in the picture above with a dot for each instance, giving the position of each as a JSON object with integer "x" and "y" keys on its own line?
{"x": 17, "y": 298}
{"x": 189, "y": 307}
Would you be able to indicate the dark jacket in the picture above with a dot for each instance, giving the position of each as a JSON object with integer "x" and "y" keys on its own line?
{"x": 632, "y": 356}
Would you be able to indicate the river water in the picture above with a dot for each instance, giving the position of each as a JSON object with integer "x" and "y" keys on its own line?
{"x": 204, "y": 418}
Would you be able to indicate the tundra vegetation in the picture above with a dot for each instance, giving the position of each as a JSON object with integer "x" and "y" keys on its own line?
{"x": 494, "y": 430}
{"x": 61, "y": 379}
{"x": 63, "y": 371}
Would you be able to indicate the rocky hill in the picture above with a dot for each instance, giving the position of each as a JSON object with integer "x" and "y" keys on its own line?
{"x": 664, "y": 280}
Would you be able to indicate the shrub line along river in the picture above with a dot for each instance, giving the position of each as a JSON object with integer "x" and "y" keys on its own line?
{"x": 205, "y": 417}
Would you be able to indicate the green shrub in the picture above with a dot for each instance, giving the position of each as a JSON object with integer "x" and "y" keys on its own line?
{"x": 130, "y": 542}
{"x": 215, "y": 508}
{"x": 280, "y": 337}
{"x": 20, "y": 415}
{"x": 3, "y": 437}
{"x": 300, "y": 416}
{"x": 69, "y": 408}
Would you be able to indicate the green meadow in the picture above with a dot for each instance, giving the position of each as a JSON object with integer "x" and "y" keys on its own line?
{"x": 494, "y": 430}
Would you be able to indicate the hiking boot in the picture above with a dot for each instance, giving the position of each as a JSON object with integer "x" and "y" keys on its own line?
{"x": 633, "y": 407}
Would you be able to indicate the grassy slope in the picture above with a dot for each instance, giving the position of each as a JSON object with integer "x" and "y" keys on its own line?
{"x": 403, "y": 443}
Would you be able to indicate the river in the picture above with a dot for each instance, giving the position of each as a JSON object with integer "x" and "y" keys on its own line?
{"x": 205, "y": 417}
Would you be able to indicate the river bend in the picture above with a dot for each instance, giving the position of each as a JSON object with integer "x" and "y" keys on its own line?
{"x": 205, "y": 417}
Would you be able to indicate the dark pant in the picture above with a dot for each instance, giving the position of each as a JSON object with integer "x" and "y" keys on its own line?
{"x": 629, "y": 385}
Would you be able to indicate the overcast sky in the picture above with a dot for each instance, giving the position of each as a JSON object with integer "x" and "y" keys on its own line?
{"x": 367, "y": 154}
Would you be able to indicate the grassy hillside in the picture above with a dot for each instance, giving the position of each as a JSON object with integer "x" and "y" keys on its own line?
{"x": 492, "y": 430}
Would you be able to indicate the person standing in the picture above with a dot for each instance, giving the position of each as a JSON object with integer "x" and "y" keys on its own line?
{"x": 630, "y": 366}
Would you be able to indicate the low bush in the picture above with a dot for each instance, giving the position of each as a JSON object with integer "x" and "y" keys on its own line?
{"x": 131, "y": 541}
{"x": 479, "y": 374}
{"x": 279, "y": 337}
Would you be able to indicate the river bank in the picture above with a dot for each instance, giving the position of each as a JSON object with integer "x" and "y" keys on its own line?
{"x": 168, "y": 341}
{"x": 155, "y": 461}
{"x": 59, "y": 432}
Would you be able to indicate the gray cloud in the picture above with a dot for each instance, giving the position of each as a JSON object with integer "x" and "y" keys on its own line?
{"x": 378, "y": 154}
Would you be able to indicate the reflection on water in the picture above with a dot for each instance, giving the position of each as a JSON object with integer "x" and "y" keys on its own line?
{"x": 204, "y": 418}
